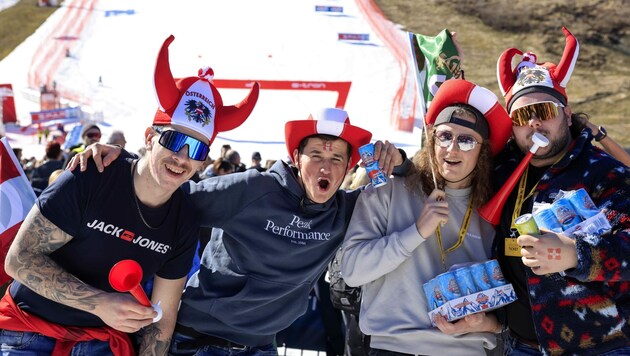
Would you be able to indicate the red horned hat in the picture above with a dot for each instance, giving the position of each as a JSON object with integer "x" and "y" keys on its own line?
{"x": 194, "y": 102}
{"x": 529, "y": 76}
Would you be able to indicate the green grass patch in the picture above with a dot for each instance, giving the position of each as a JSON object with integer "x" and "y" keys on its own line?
{"x": 20, "y": 21}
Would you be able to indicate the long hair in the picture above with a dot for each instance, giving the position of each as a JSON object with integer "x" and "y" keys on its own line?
{"x": 419, "y": 178}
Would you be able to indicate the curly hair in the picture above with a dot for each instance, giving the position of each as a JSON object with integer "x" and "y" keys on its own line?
{"x": 420, "y": 179}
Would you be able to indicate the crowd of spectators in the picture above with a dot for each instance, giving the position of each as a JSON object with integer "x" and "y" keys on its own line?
{"x": 54, "y": 158}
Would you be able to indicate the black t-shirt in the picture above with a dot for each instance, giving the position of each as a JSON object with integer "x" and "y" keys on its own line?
{"x": 519, "y": 313}
{"x": 100, "y": 212}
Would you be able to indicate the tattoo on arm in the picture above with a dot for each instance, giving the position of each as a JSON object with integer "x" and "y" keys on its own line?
{"x": 151, "y": 343}
{"x": 35, "y": 269}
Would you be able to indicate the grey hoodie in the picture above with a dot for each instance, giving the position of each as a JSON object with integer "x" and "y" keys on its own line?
{"x": 385, "y": 254}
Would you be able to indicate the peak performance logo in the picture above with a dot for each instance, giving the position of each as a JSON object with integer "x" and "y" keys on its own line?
{"x": 129, "y": 236}
{"x": 292, "y": 230}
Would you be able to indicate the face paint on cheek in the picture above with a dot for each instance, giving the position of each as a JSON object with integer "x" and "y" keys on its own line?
{"x": 554, "y": 253}
{"x": 328, "y": 146}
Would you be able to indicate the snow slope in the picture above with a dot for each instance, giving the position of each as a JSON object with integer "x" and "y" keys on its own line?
{"x": 280, "y": 40}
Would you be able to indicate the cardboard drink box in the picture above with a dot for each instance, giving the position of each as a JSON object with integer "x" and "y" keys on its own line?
{"x": 468, "y": 289}
{"x": 483, "y": 301}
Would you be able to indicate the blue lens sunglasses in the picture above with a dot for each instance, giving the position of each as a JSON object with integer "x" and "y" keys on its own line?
{"x": 175, "y": 141}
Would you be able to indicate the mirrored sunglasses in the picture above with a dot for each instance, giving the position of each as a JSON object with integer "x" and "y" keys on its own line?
{"x": 464, "y": 142}
{"x": 175, "y": 141}
{"x": 544, "y": 110}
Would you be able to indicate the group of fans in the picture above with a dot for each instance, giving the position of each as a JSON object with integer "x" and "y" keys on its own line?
{"x": 273, "y": 232}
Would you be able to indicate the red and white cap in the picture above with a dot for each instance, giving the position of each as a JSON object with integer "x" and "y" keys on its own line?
{"x": 529, "y": 76}
{"x": 328, "y": 121}
{"x": 194, "y": 102}
{"x": 460, "y": 91}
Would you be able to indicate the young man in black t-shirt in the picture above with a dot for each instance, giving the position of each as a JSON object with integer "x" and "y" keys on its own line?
{"x": 86, "y": 222}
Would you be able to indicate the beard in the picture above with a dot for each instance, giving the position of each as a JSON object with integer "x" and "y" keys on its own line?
{"x": 557, "y": 144}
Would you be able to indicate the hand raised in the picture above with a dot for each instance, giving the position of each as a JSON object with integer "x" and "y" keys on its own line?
{"x": 434, "y": 212}
{"x": 387, "y": 156}
{"x": 102, "y": 154}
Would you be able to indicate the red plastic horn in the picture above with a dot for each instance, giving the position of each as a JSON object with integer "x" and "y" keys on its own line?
{"x": 491, "y": 211}
{"x": 125, "y": 276}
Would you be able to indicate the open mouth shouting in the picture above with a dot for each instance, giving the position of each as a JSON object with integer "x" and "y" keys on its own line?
{"x": 323, "y": 184}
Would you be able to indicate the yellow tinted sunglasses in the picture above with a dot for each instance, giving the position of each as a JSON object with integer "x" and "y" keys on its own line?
{"x": 544, "y": 110}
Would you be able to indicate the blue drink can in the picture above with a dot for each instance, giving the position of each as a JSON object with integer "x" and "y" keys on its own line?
{"x": 563, "y": 210}
{"x": 428, "y": 293}
{"x": 582, "y": 203}
{"x": 465, "y": 281}
{"x": 448, "y": 286}
{"x": 546, "y": 219}
{"x": 495, "y": 273}
{"x": 377, "y": 177}
{"x": 433, "y": 293}
{"x": 480, "y": 276}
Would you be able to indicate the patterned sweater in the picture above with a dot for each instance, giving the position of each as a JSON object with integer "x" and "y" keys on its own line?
{"x": 587, "y": 311}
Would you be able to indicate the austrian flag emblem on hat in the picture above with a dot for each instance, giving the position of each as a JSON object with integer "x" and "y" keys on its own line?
{"x": 197, "y": 107}
{"x": 531, "y": 76}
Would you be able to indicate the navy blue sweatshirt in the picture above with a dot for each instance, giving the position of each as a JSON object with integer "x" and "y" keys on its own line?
{"x": 255, "y": 277}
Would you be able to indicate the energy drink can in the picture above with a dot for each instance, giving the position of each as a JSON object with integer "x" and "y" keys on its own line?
{"x": 582, "y": 203}
{"x": 465, "y": 281}
{"x": 448, "y": 286}
{"x": 494, "y": 272}
{"x": 546, "y": 219}
{"x": 563, "y": 210}
{"x": 480, "y": 276}
{"x": 377, "y": 177}
{"x": 433, "y": 293}
{"x": 526, "y": 225}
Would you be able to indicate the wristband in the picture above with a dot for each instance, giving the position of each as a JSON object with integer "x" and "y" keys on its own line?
{"x": 158, "y": 309}
{"x": 601, "y": 134}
